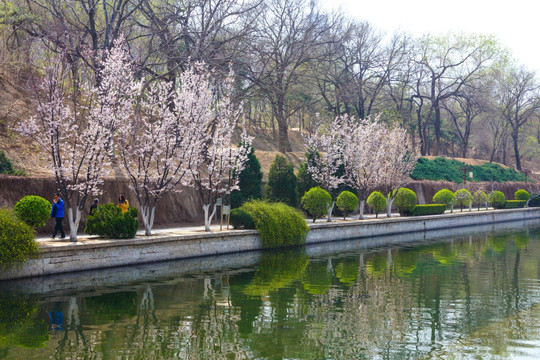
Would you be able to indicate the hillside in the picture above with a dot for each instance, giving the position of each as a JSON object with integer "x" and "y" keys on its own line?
{"x": 15, "y": 106}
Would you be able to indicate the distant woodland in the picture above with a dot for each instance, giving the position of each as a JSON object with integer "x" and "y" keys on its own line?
{"x": 297, "y": 67}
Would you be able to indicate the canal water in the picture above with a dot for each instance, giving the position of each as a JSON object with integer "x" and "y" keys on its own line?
{"x": 470, "y": 293}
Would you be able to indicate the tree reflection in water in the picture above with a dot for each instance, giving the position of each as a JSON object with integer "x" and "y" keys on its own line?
{"x": 475, "y": 294}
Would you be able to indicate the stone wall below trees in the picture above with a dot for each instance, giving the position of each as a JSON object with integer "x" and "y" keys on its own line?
{"x": 175, "y": 208}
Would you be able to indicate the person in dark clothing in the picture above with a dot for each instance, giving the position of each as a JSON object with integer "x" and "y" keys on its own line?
{"x": 57, "y": 212}
{"x": 94, "y": 206}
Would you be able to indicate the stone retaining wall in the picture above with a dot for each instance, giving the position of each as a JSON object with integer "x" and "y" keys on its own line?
{"x": 70, "y": 257}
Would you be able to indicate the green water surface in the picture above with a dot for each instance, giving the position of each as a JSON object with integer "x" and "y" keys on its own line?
{"x": 469, "y": 294}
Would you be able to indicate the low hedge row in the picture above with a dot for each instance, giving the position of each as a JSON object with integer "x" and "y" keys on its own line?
{"x": 429, "y": 209}
{"x": 278, "y": 224}
{"x": 514, "y": 204}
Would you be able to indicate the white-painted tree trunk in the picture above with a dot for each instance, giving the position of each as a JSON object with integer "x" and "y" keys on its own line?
{"x": 452, "y": 208}
{"x": 330, "y": 209}
{"x": 362, "y": 202}
{"x": 208, "y": 217}
{"x": 73, "y": 223}
{"x": 148, "y": 219}
{"x": 389, "y": 202}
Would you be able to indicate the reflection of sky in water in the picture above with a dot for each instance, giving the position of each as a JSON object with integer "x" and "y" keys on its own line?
{"x": 461, "y": 296}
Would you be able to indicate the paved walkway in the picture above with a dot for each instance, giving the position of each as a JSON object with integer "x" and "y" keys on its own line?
{"x": 187, "y": 230}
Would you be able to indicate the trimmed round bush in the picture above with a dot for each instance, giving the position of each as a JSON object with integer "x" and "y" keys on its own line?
{"x": 377, "y": 202}
{"x": 17, "y": 242}
{"x": 463, "y": 198}
{"x": 278, "y": 224}
{"x": 497, "y": 199}
{"x": 240, "y": 219}
{"x": 480, "y": 198}
{"x": 316, "y": 202}
{"x": 446, "y": 197}
{"x": 522, "y": 195}
{"x": 405, "y": 201}
{"x": 33, "y": 210}
{"x": 346, "y": 202}
{"x": 109, "y": 221}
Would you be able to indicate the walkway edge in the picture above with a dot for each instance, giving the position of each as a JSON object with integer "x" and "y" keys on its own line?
{"x": 67, "y": 257}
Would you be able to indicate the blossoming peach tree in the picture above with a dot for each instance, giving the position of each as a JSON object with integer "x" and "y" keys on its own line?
{"x": 75, "y": 123}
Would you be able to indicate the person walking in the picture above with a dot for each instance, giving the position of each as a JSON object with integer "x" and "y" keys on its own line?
{"x": 123, "y": 204}
{"x": 57, "y": 212}
{"x": 93, "y": 206}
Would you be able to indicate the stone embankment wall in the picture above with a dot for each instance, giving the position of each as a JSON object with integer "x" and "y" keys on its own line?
{"x": 69, "y": 257}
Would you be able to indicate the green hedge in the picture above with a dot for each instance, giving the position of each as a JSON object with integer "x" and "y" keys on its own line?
{"x": 405, "y": 201}
{"x": 442, "y": 168}
{"x": 17, "y": 242}
{"x": 33, "y": 210}
{"x": 497, "y": 199}
{"x": 514, "y": 204}
{"x": 240, "y": 219}
{"x": 522, "y": 195}
{"x": 109, "y": 221}
{"x": 429, "y": 209}
{"x": 316, "y": 201}
{"x": 278, "y": 224}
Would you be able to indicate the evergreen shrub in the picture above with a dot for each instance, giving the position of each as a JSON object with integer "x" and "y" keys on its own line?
{"x": 497, "y": 199}
{"x": 480, "y": 198}
{"x": 33, "y": 210}
{"x": 278, "y": 224}
{"x": 346, "y": 202}
{"x": 6, "y": 167}
{"x": 405, "y": 201}
{"x": 463, "y": 198}
{"x": 522, "y": 195}
{"x": 429, "y": 209}
{"x": 514, "y": 204}
{"x": 446, "y": 197}
{"x": 377, "y": 202}
{"x": 240, "y": 219}
{"x": 304, "y": 179}
{"x": 109, "y": 221}
{"x": 535, "y": 201}
{"x": 281, "y": 185}
{"x": 249, "y": 181}
{"x": 316, "y": 202}
{"x": 17, "y": 242}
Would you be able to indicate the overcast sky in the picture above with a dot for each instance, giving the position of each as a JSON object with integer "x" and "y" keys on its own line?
{"x": 515, "y": 23}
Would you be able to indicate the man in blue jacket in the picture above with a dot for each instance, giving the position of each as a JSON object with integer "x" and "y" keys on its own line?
{"x": 57, "y": 212}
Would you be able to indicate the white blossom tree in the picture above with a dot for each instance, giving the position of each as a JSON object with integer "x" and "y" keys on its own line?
{"x": 326, "y": 165}
{"x": 75, "y": 124}
{"x": 220, "y": 158}
{"x": 363, "y": 153}
{"x": 164, "y": 141}
{"x": 397, "y": 163}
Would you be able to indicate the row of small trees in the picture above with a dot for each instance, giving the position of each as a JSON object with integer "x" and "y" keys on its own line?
{"x": 162, "y": 134}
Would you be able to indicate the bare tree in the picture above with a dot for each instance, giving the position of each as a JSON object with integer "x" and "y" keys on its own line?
{"x": 518, "y": 97}
{"x": 288, "y": 35}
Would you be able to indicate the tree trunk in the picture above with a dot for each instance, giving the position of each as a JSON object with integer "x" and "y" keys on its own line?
{"x": 330, "y": 209}
{"x": 389, "y": 202}
{"x": 362, "y": 202}
{"x": 73, "y": 223}
{"x": 437, "y": 128}
{"x": 207, "y": 216}
{"x": 284, "y": 144}
{"x": 148, "y": 219}
{"x": 516, "y": 150}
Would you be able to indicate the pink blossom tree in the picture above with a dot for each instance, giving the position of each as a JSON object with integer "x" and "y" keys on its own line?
{"x": 220, "y": 158}
{"x": 75, "y": 125}
{"x": 326, "y": 166}
{"x": 397, "y": 163}
{"x": 163, "y": 143}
